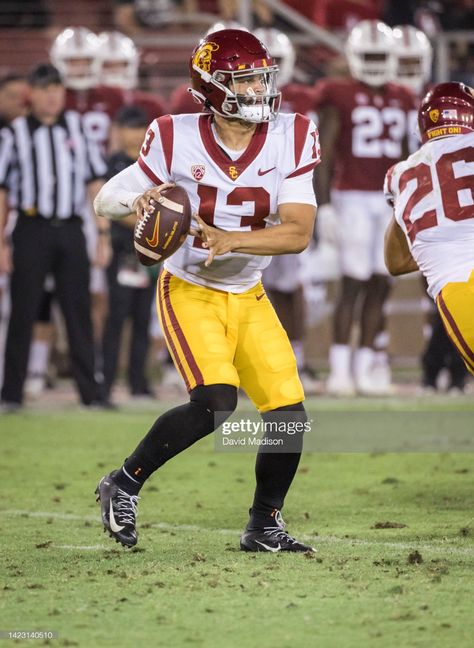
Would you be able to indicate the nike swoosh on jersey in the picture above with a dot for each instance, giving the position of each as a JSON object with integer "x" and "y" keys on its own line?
{"x": 272, "y": 549}
{"x": 259, "y": 297}
{"x": 261, "y": 173}
{"x": 113, "y": 524}
{"x": 153, "y": 242}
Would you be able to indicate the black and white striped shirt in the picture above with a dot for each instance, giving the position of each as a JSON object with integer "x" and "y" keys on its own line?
{"x": 46, "y": 168}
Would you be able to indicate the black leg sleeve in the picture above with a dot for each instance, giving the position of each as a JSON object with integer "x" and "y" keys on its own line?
{"x": 179, "y": 428}
{"x": 274, "y": 471}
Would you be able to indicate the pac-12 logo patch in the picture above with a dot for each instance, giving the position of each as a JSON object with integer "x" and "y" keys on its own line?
{"x": 198, "y": 171}
{"x": 434, "y": 115}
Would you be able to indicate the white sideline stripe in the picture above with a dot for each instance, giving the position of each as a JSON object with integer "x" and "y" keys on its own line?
{"x": 441, "y": 545}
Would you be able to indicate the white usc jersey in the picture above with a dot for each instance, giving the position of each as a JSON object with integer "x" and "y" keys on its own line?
{"x": 230, "y": 190}
{"x": 433, "y": 197}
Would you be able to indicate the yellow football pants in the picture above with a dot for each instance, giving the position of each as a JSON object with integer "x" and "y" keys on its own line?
{"x": 456, "y": 305}
{"x": 215, "y": 337}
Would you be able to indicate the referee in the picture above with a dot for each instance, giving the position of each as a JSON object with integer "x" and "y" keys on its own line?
{"x": 48, "y": 169}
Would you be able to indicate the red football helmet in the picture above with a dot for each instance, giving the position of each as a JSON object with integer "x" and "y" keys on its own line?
{"x": 447, "y": 109}
{"x": 233, "y": 74}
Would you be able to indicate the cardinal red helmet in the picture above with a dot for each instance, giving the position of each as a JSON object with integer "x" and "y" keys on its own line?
{"x": 447, "y": 109}
{"x": 233, "y": 75}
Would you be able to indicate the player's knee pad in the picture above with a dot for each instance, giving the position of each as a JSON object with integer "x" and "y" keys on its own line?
{"x": 216, "y": 398}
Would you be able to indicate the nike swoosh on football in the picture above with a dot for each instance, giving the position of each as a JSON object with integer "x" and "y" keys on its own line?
{"x": 259, "y": 297}
{"x": 153, "y": 242}
{"x": 261, "y": 173}
{"x": 272, "y": 549}
{"x": 113, "y": 524}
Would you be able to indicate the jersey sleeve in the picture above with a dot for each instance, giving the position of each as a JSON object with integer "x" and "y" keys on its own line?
{"x": 156, "y": 154}
{"x": 297, "y": 186}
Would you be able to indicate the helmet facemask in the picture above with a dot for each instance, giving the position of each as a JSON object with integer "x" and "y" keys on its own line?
{"x": 250, "y": 94}
{"x": 372, "y": 68}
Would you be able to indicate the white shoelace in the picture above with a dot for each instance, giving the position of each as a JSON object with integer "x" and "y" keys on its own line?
{"x": 126, "y": 507}
{"x": 278, "y": 532}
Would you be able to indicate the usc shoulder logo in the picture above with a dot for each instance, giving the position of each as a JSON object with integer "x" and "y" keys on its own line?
{"x": 434, "y": 115}
{"x": 203, "y": 57}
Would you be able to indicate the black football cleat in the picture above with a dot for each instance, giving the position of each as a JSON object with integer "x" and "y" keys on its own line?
{"x": 119, "y": 510}
{"x": 272, "y": 538}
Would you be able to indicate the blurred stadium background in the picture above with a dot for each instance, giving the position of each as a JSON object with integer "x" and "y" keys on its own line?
{"x": 317, "y": 29}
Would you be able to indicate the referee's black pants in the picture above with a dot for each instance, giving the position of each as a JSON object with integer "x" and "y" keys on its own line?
{"x": 41, "y": 247}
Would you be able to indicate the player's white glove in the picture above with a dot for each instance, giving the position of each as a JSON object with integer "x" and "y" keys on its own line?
{"x": 327, "y": 224}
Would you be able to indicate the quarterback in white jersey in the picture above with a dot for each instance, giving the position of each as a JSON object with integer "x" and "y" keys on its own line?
{"x": 432, "y": 193}
{"x": 248, "y": 173}
{"x": 231, "y": 190}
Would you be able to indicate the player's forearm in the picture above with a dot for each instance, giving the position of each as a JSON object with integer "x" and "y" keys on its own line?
{"x": 117, "y": 197}
{"x": 398, "y": 257}
{"x": 287, "y": 238}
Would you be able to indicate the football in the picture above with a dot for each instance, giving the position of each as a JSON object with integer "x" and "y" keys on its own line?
{"x": 159, "y": 234}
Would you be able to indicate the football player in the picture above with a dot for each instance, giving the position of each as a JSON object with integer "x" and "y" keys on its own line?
{"x": 413, "y": 60}
{"x": 75, "y": 52}
{"x": 363, "y": 122}
{"x": 432, "y": 228}
{"x": 249, "y": 178}
{"x": 414, "y": 56}
{"x": 118, "y": 59}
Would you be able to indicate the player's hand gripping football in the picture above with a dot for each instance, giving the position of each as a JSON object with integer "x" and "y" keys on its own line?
{"x": 215, "y": 240}
{"x": 146, "y": 201}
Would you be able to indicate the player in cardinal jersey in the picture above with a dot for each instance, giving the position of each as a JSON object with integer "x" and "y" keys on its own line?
{"x": 118, "y": 60}
{"x": 413, "y": 60}
{"x": 248, "y": 174}
{"x": 432, "y": 194}
{"x": 363, "y": 124}
{"x": 75, "y": 54}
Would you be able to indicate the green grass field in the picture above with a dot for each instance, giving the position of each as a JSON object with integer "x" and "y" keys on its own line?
{"x": 187, "y": 584}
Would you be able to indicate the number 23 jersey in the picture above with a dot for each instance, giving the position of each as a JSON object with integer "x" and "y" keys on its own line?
{"x": 234, "y": 191}
{"x": 373, "y": 124}
{"x": 433, "y": 197}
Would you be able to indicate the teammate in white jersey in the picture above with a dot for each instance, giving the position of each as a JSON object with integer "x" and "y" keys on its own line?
{"x": 248, "y": 173}
{"x": 433, "y": 223}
